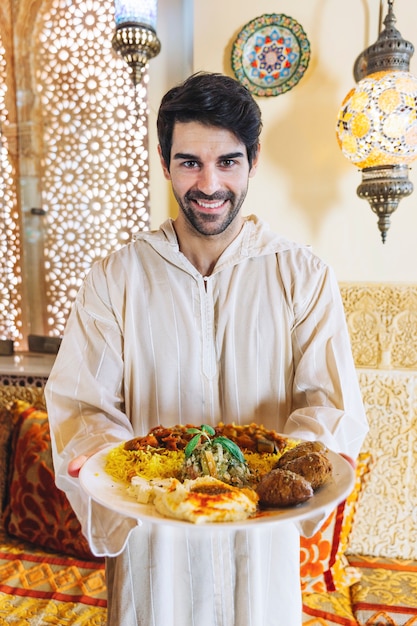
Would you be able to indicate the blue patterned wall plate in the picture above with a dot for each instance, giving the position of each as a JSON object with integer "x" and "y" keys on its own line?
{"x": 270, "y": 54}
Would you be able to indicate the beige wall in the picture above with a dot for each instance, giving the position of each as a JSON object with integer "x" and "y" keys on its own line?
{"x": 304, "y": 187}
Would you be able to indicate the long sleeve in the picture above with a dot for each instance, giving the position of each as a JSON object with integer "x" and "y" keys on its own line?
{"x": 85, "y": 408}
{"x": 327, "y": 403}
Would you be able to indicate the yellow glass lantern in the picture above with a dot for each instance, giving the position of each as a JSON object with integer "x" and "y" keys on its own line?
{"x": 377, "y": 122}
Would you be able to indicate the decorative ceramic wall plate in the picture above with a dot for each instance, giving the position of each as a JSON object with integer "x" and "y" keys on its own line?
{"x": 270, "y": 54}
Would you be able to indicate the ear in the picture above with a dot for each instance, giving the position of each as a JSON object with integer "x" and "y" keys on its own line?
{"x": 255, "y": 162}
{"x": 164, "y": 165}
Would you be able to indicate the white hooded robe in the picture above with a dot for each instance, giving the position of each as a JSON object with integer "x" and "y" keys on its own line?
{"x": 151, "y": 341}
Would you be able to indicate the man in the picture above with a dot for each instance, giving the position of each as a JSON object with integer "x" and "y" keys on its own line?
{"x": 212, "y": 317}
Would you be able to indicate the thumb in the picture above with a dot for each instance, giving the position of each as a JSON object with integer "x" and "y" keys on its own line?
{"x": 76, "y": 464}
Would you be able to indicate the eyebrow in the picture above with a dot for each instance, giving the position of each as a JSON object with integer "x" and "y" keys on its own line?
{"x": 184, "y": 156}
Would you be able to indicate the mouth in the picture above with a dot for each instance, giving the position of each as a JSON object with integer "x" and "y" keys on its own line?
{"x": 210, "y": 205}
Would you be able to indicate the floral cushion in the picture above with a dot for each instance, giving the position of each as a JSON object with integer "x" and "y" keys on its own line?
{"x": 36, "y": 510}
{"x": 324, "y": 566}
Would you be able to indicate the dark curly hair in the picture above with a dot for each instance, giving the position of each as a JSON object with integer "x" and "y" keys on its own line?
{"x": 214, "y": 100}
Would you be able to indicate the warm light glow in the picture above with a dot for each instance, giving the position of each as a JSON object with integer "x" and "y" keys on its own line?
{"x": 136, "y": 12}
{"x": 377, "y": 123}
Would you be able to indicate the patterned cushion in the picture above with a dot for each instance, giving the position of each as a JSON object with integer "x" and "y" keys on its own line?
{"x": 6, "y": 425}
{"x": 37, "y": 511}
{"x": 387, "y": 592}
{"x": 42, "y": 588}
{"x": 328, "y": 609}
{"x": 323, "y": 563}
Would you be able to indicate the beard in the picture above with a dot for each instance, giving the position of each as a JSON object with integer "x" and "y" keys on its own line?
{"x": 207, "y": 223}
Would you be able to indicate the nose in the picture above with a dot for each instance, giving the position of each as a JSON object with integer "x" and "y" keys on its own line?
{"x": 208, "y": 180}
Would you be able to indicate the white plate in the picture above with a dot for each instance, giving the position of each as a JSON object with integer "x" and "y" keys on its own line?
{"x": 113, "y": 495}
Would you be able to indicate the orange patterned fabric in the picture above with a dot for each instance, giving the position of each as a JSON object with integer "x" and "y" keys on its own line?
{"x": 6, "y": 423}
{"x": 328, "y": 609}
{"x": 323, "y": 563}
{"x": 37, "y": 587}
{"x": 36, "y": 510}
{"x": 387, "y": 592}
{"x": 385, "y": 595}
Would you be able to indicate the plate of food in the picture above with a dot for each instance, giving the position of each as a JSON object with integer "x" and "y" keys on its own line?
{"x": 226, "y": 476}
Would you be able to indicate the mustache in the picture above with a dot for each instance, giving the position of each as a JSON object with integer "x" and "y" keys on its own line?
{"x": 216, "y": 196}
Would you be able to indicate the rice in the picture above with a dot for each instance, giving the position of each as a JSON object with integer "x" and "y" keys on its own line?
{"x": 123, "y": 464}
{"x": 262, "y": 463}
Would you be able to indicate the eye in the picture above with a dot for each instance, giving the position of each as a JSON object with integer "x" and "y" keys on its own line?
{"x": 227, "y": 163}
{"x": 190, "y": 164}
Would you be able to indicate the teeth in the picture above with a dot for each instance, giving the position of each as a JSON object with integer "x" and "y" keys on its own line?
{"x": 210, "y": 205}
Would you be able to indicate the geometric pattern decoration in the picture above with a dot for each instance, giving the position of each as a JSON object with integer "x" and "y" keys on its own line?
{"x": 37, "y": 587}
{"x": 10, "y": 237}
{"x": 270, "y": 54}
{"x": 95, "y": 147}
{"x": 29, "y": 610}
{"x": 73, "y": 157}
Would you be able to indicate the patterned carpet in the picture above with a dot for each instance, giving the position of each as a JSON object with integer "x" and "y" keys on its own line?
{"x": 37, "y": 587}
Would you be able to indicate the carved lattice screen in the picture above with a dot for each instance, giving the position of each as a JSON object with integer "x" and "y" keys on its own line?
{"x": 83, "y": 136}
{"x": 10, "y": 258}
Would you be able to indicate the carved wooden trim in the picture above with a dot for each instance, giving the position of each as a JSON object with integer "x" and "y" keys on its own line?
{"x": 382, "y": 322}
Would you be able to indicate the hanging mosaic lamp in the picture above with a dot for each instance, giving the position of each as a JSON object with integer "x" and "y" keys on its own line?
{"x": 135, "y": 37}
{"x": 377, "y": 122}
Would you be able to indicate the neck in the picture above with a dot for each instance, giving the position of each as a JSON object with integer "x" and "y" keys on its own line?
{"x": 203, "y": 251}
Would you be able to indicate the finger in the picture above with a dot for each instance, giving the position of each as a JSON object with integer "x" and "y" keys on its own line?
{"x": 348, "y": 459}
{"x": 76, "y": 464}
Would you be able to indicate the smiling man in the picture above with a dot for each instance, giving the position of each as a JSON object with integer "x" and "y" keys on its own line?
{"x": 210, "y": 318}
{"x": 209, "y": 171}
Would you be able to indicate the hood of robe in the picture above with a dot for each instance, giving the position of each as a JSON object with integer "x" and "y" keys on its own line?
{"x": 254, "y": 240}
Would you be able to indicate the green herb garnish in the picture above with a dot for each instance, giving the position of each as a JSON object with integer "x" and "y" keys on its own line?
{"x": 205, "y": 431}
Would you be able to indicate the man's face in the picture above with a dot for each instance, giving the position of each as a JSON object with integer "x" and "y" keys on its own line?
{"x": 209, "y": 172}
